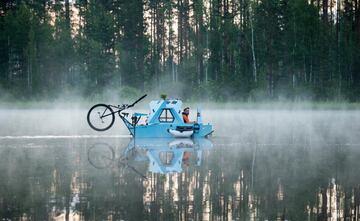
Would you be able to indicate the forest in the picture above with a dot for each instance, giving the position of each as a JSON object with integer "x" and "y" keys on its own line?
{"x": 214, "y": 50}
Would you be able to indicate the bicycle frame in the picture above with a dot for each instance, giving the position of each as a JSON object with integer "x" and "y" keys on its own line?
{"x": 130, "y": 125}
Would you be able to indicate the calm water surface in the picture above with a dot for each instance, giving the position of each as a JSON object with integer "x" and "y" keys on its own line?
{"x": 259, "y": 165}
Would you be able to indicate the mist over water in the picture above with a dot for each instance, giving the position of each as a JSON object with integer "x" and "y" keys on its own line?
{"x": 261, "y": 126}
{"x": 263, "y": 165}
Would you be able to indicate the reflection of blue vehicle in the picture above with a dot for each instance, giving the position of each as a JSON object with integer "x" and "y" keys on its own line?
{"x": 169, "y": 155}
{"x": 164, "y": 120}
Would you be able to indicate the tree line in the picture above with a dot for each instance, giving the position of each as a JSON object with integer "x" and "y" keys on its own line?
{"x": 219, "y": 50}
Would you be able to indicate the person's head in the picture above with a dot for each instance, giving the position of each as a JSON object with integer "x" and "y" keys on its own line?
{"x": 186, "y": 111}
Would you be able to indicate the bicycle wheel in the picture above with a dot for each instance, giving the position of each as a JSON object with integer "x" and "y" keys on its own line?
{"x": 100, "y": 117}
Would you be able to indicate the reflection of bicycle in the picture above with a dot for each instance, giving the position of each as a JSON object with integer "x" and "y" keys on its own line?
{"x": 102, "y": 116}
{"x": 102, "y": 155}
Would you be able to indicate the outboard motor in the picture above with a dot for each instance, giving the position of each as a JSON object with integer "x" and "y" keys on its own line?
{"x": 196, "y": 128}
{"x": 198, "y": 116}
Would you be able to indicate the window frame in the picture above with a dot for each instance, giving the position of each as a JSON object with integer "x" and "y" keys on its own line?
{"x": 166, "y": 116}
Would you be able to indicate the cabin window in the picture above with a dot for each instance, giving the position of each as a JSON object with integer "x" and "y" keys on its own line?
{"x": 166, "y": 116}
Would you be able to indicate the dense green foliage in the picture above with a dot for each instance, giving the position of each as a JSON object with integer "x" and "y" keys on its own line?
{"x": 200, "y": 49}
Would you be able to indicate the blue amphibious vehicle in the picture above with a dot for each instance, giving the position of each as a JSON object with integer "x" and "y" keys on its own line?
{"x": 164, "y": 120}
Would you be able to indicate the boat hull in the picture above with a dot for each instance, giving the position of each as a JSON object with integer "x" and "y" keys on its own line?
{"x": 162, "y": 130}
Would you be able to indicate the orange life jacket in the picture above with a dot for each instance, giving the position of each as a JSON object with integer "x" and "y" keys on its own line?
{"x": 186, "y": 118}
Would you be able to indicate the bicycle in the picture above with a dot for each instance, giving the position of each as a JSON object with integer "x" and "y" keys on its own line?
{"x": 101, "y": 117}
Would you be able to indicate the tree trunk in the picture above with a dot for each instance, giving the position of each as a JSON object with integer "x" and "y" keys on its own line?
{"x": 357, "y": 18}
{"x": 252, "y": 43}
{"x": 67, "y": 16}
{"x": 325, "y": 10}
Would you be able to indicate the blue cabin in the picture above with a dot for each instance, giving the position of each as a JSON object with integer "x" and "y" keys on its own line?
{"x": 165, "y": 120}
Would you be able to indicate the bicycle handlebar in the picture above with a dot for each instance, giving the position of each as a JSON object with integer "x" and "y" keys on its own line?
{"x": 131, "y": 105}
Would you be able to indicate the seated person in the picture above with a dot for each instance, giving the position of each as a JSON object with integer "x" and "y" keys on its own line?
{"x": 185, "y": 115}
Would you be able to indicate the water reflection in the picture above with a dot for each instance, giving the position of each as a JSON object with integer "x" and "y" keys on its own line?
{"x": 118, "y": 179}
{"x": 162, "y": 155}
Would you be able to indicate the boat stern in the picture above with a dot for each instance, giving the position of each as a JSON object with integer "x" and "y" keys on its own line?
{"x": 205, "y": 130}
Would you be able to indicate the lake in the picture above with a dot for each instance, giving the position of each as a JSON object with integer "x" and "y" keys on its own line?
{"x": 258, "y": 165}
